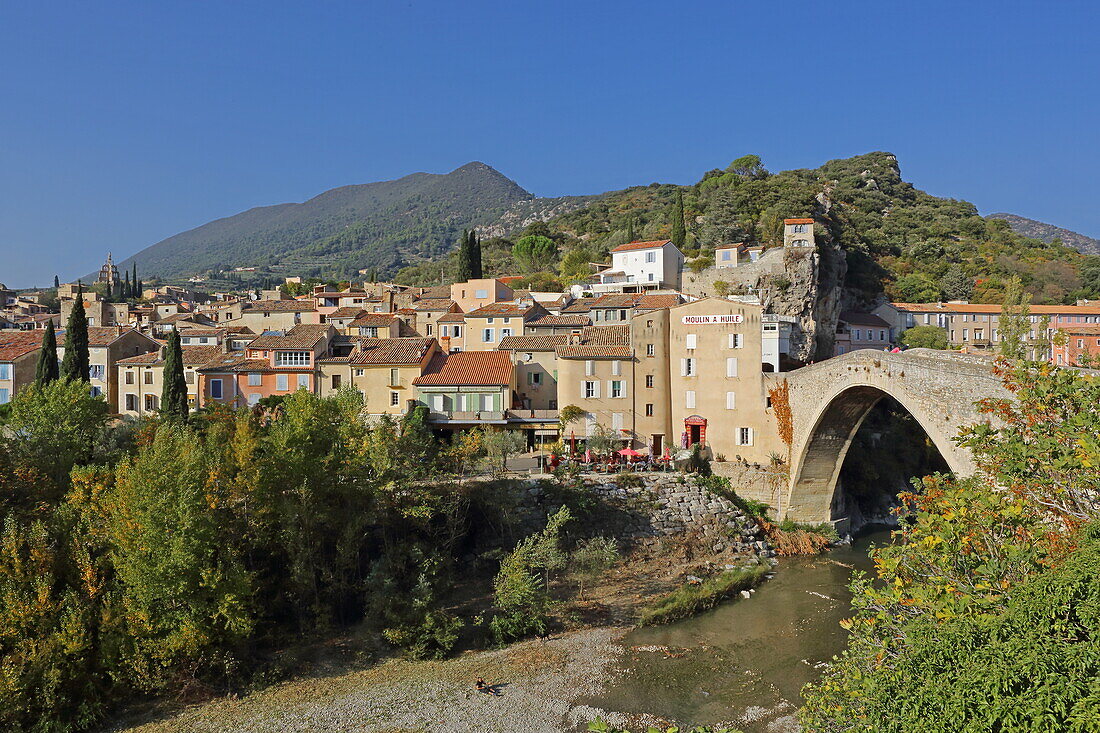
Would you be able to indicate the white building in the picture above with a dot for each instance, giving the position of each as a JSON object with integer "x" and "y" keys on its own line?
{"x": 641, "y": 266}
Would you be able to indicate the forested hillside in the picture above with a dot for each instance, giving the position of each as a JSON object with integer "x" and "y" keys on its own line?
{"x": 345, "y": 229}
{"x": 916, "y": 246}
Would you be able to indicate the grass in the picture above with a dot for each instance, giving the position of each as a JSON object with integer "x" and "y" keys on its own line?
{"x": 689, "y": 600}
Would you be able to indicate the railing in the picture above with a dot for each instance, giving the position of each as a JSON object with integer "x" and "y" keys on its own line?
{"x": 533, "y": 415}
{"x": 466, "y": 416}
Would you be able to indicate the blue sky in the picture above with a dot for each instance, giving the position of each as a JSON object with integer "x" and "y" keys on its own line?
{"x": 124, "y": 123}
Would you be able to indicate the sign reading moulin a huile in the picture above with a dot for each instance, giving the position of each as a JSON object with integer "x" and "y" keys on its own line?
{"x": 712, "y": 320}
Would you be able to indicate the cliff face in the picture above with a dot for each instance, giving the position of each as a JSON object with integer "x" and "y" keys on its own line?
{"x": 804, "y": 284}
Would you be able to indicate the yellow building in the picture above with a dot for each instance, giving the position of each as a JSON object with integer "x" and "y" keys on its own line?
{"x": 382, "y": 369}
{"x": 141, "y": 379}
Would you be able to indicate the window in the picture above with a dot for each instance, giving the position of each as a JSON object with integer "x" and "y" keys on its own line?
{"x": 649, "y": 409}
{"x": 1080, "y": 343}
{"x": 589, "y": 368}
{"x": 534, "y": 378}
{"x": 481, "y": 293}
{"x": 395, "y": 377}
{"x": 368, "y": 331}
{"x": 856, "y": 334}
{"x": 437, "y": 402}
{"x": 95, "y": 371}
{"x": 616, "y": 421}
{"x": 428, "y": 330}
{"x": 689, "y": 399}
{"x": 456, "y": 331}
{"x": 255, "y": 379}
{"x": 282, "y": 382}
{"x": 622, "y": 315}
{"x": 131, "y": 403}
{"x": 736, "y": 341}
{"x": 966, "y": 333}
{"x": 744, "y": 436}
{"x": 649, "y": 381}
{"x": 291, "y": 358}
{"x": 150, "y": 403}
{"x": 147, "y": 376}
{"x": 617, "y": 389}
{"x": 487, "y": 335}
{"x": 650, "y": 257}
{"x": 505, "y": 333}
{"x": 395, "y": 399}
{"x": 360, "y": 372}
{"x": 216, "y": 389}
{"x": 799, "y": 228}
{"x": 650, "y": 349}
{"x": 591, "y": 390}
{"x": 487, "y": 402}
{"x": 616, "y": 368}
{"x": 336, "y": 381}
{"x": 881, "y": 335}
{"x": 129, "y": 374}
{"x": 731, "y": 400}
{"x": 690, "y": 341}
{"x": 731, "y": 366}
{"x": 687, "y": 367}
{"x": 189, "y": 376}
{"x": 649, "y": 324}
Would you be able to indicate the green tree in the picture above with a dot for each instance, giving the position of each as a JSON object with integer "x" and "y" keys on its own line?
{"x": 916, "y": 288}
{"x": 574, "y": 265}
{"x": 925, "y": 337}
{"x": 592, "y": 558}
{"x": 475, "y": 255}
{"x": 500, "y": 445}
{"x": 679, "y": 230}
{"x": 630, "y": 235}
{"x": 47, "y": 370}
{"x": 56, "y": 281}
{"x": 956, "y": 285}
{"x": 173, "y": 396}
{"x": 535, "y": 253}
{"x": 464, "y": 269}
{"x": 372, "y": 276}
{"x": 1014, "y": 324}
{"x": 75, "y": 365}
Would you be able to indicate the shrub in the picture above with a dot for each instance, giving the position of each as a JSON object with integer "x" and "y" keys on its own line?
{"x": 520, "y": 589}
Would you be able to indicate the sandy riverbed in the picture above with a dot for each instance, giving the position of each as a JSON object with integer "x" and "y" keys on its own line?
{"x": 541, "y": 680}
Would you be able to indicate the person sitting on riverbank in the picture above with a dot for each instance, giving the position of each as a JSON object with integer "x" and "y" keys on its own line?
{"x": 482, "y": 687}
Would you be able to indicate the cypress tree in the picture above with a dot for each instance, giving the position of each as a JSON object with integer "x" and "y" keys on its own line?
{"x": 372, "y": 276}
{"x": 475, "y": 255}
{"x": 75, "y": 364}
{"x": 173, "y": 396}
{"x": 56, "y": 281}
{"x": 630, "y": 236}
{"x": 47, "y": 370}
{"x": 679, "y": 231}
{"x": 465, "y": 268}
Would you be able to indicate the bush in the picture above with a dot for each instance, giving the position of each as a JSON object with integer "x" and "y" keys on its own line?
{"x": 433, "y": 638}
{"x": 689, "y": 600}
{"x": 925, "y": 337}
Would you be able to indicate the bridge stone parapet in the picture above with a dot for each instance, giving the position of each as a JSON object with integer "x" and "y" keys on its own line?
{"x": 829, "y": 401}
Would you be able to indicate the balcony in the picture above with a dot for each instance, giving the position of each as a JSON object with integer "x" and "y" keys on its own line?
{"x": 467, "y": 417}
{"x": 532, "y": 416}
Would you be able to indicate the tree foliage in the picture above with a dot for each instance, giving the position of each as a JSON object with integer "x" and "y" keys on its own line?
{"x": 925, "y": 337}
{"x": 173, "y": 399}
{"x": 75, "y": 365}
{"x": 47, "y": 370}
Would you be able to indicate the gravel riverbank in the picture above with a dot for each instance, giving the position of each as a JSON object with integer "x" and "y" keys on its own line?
{"x": 541, "y": 680}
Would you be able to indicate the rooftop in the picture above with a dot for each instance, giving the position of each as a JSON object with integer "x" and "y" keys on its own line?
{"x": 630, "y": 246}
{"x": 391, "y": 351}
{"x": 433, "y": 304}
{"x": 280, "y": 306}
{"x": 545, "y": 342}
{"x": 863, "y": 319}
{"x": 1036, "y": 310}
{"x": 501, "y": 309}
{"x": 373, "y": 319}
{"x": 302, "y": 336}
{"x": 798, "y": 221}
{"x": 485, "y": 368}
{"x": 14, "y": 344}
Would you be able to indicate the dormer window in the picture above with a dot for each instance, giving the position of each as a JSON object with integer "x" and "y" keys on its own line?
{"x": 292, "y": 358}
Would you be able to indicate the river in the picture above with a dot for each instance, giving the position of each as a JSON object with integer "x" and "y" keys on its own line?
{"x": 743, "y": 663}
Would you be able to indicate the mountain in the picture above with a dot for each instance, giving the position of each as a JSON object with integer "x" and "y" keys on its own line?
{"x": 380, "y": 225}
{"x": 1049, "y": 232}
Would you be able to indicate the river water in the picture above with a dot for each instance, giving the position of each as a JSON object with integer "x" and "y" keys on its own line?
{"x": 743, "y": 663}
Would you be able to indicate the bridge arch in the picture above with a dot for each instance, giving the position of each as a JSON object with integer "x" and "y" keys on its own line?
{"x": 816, "y": 471}
{"x": 829, "y": 402}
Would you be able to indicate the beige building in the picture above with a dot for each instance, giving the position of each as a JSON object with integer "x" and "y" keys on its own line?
{"x": 452, "y": 331}
{"x": 717, "y": 384}
{"x": 374, "y": 325}
{"x": 474, "y": 294}
{"x": 798, "y": 233}
{"x": 536, "y": 367}
{"x": 427, "y": 313}
{"x": 98, "y": 311}
{"x": 383, "y": 370}
{"x": 106, "y": 347}
{"x": 487, "y": 326}
{"x": 596, "y": 370}
{"x": 272, "y": 315}
{"x": 141, "y": 379}
{"x": 18, "y": 361}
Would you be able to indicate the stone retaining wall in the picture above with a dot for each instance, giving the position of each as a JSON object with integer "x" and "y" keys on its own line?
{"x": 665, "y": 505}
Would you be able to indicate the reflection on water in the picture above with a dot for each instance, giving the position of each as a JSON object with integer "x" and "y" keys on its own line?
{"x": 744, "y": 663}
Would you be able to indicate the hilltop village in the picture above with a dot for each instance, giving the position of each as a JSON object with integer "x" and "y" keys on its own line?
{"x": 655, "y": 356}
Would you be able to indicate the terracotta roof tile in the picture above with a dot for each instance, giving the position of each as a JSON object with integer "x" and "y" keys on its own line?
{"x": 374, "y": 319}
{"x": 193, "y": 356}
{"x": 562, "y": 320}
{"x": 546, "y": 342}
{"x": 606, "y": 335}
{"x": 302, "y": 336}
{"x": 280, "y": 306}
{"x": 15, "y": 344}
{"x": 439, "y": 291}
{"x": 433, "y": 304}
{"x": 107, "y": 335}
{"x": 452, "y": 318}
{"x": 641, "y": 245}
{"x": 585, "y": 351}
{"x": 488, "y": 368}
{"x": 863, "y": 319}
{"x": 391, "y": 351}
{"x": 798, "y": 221}
{"x": 1036, "y": 310}
{"x": 346, "y": 311}
{"x": 501, "y": 309}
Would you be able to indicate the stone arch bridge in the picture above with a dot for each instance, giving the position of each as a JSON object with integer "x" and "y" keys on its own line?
{"x": 830, "y": 400}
